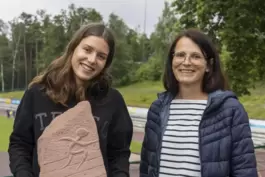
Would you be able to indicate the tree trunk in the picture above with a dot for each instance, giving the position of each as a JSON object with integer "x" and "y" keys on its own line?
{"x": 2, "y": 76}
{"x": 14, "y": 60}
{"x": 37, "y": 58}
{"x": 25, "y": 62}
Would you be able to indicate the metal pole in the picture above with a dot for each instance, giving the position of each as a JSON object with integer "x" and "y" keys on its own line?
{"x": 145, "y": 7}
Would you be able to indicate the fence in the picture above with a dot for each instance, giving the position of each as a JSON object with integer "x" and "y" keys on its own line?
{"x": 257, "y": 126}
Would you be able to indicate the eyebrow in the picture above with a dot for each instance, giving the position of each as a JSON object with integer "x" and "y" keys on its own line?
{"x": 190, "y": 53}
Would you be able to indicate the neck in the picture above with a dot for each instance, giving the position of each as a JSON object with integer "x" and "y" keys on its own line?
{"x": 81, "y": 83}
{"x": 191, "y": 92}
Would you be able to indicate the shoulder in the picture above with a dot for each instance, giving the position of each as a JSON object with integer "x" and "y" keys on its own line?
{"x": 114, "y": 92}
{"x": 155, "y": 105}
{"x": 115, "y": 95}
{"x": 237, "y": 111}
{"x": 239, "y": 116}
{"x": 32, "y": 90}
{"x": 154, "y": 110}
{"x": 113, "y": 99}
{"x": 35, "y": 93}
{"x": 163, "y": 99}
{"x": 225, "y": 101}
{"x": 234, "y": 104}
{"x": 28, "y": 98}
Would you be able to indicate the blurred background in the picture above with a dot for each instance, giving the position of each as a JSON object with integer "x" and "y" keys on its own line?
{"x": 35, "y": 32}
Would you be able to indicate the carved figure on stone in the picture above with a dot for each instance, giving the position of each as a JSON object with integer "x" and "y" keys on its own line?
{"x": 69, "y": 146}
{"x": 71, "y": 152}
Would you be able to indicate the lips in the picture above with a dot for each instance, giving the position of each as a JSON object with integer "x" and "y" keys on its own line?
{"x": 87, "y": 67}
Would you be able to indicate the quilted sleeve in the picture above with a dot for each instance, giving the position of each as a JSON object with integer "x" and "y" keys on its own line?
{"x": 243, "y": 156}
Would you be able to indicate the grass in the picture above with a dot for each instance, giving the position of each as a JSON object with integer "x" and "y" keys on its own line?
{"x": 143, "y": 94}
{"x": 6, "y": 126}
{"x": 12, "y": 95}
{"x": 136, "y": 147}
{"x": 255, "y": 103}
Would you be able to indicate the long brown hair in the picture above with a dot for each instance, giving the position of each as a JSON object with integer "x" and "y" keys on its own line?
{"x": 58, "y": 78}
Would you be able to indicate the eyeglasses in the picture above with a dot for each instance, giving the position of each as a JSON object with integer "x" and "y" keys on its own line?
{"x": 182, "y": 56}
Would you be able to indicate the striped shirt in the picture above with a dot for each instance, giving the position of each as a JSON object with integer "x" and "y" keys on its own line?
{"x": 180, "y": 142}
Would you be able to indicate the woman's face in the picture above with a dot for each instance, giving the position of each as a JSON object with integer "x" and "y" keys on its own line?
{"x": 188, "y": 64}
{"x": 89, "y": 58}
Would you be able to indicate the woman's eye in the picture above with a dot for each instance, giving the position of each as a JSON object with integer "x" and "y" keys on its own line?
{"x": 102, "y": 57}
{"x": 88, "y": 50}
{"x": 197, "y": 57}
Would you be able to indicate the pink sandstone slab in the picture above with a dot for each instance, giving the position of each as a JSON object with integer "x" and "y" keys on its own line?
{"x": 69, "y": 146}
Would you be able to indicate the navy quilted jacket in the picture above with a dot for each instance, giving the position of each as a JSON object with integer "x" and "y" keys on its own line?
{"x": 225, "y": 144}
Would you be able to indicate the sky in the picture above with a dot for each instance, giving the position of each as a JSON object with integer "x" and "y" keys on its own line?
{"x": 131, "y": 11}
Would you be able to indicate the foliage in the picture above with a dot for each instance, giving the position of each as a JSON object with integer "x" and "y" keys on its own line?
{"x": 151, "y": 70}
{"x": 30, "y": 42}
{"x": 238, "y": 25}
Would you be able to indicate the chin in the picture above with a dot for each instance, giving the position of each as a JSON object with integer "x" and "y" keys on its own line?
{"x": 85, "y": 77}
{"x": 187, "y": 82}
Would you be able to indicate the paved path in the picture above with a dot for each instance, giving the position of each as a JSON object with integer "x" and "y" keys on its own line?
{"x": 138, "y": 136}
{"x": 4, "y": 168}
{"x": 134, "y": 170}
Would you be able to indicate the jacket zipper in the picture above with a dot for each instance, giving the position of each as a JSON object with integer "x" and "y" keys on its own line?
{"x": 161, "y": 136}
{"x": 159, "y": 150}
{"x": 208, "y": 103}
{"x": 200, "y": 145}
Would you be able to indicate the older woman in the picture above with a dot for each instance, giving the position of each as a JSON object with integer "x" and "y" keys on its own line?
{"x": 196, "y": 128}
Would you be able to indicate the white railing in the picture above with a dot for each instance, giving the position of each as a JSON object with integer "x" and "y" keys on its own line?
{"x": 257, "y": 126}
{"x": 139, "y": 119}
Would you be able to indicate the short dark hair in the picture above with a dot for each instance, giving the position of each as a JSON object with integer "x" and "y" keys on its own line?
{"x": 213, "y": 80}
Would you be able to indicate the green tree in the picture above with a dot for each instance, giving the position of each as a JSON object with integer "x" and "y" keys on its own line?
{"x": 237, "y": 25}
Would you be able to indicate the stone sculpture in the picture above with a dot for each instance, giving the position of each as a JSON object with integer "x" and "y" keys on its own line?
{"x": 69, "y": 146}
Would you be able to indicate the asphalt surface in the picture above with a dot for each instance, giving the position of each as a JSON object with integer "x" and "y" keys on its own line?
{"x": 4, "y": 168}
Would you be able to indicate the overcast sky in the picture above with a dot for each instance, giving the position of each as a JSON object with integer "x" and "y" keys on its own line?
{"x": 132, "y": 11}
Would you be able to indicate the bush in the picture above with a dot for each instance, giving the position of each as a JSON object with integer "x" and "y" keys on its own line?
{"x": 151, "y": 70}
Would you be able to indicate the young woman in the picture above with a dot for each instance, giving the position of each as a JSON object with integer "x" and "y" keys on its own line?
{"x": 79, "y": 74}
{"x": 196, "y": 128}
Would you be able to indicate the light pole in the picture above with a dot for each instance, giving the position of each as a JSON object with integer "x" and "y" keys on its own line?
{"x": 143, "y": 47}
{"x": 145, "y": 7}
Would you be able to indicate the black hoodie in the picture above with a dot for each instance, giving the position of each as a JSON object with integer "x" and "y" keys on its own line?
{"x": 37, "y": 110}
